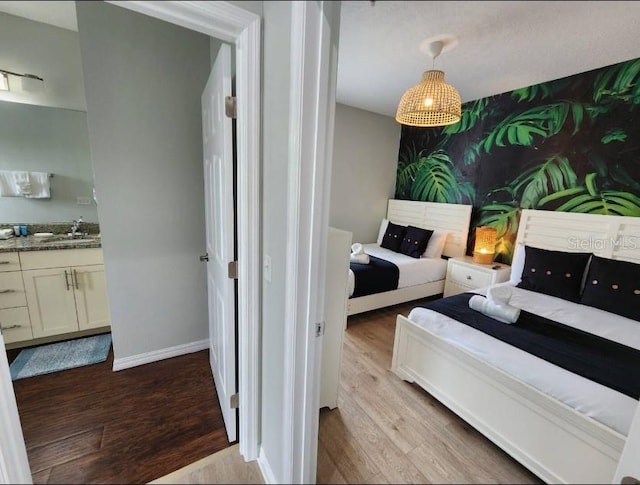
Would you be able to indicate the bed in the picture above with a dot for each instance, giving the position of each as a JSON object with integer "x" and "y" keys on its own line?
{"x": 562, "y": 426}
{"x": 418, "y": 278}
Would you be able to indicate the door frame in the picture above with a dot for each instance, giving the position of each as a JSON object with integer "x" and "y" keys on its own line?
{"x": 313, "y": 74}
{"x": 14, "y": 464}
{"x": 241, "y": 28}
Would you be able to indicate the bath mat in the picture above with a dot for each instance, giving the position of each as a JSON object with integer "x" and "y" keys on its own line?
{"x": 58, "y": 356}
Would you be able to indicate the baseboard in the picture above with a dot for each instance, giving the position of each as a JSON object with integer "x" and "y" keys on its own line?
{"x": 265, "y": 467}
{"x": 156, "y": 355}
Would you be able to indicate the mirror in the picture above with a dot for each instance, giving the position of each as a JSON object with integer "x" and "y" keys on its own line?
{"x": 44, "y": 139}
{"x": 45, "y": 130}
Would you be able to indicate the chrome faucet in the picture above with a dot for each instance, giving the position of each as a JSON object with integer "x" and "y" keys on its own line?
{"x": 75, "y": 228}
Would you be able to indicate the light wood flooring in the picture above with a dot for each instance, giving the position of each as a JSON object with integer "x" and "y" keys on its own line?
{"x": 385, "y": 430}
{"x": 226, "y": 466}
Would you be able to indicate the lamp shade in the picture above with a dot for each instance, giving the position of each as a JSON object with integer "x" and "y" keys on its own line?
{"x": 485, "y": 246}
{"x": 432, "y": 102}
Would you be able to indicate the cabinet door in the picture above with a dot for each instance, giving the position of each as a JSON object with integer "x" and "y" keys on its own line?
{"x": 91, "y": 296}
{"x": 50, "y": 300}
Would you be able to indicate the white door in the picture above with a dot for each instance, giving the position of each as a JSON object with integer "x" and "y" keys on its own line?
{"x": 220, "y": 230}
{"x": 14, "y": 465}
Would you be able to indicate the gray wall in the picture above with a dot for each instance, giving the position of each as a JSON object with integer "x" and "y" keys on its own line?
{"x": 365, "y": 158}
{"x": 143, "y": 80}
{"x": 275, "y": 122}
{"x": 46, "y": 51}
{"x": 55, "y": 140}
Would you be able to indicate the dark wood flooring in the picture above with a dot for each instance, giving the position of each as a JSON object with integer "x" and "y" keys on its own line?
{"x": 93, "y": 425}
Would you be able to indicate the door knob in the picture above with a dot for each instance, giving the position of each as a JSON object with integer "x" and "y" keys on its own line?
{"x": 204, "y": 258}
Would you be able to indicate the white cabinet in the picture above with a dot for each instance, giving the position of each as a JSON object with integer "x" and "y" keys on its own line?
{"x": 65, "y": 290}
{"x": 14, "y": 316}
{"x": 335, "y": 314}
{"x": 465, "y": 275}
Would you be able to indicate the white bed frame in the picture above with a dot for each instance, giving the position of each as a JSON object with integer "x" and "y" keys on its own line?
{"x": 557, "y": 443}
{"x": 453, "y": 218}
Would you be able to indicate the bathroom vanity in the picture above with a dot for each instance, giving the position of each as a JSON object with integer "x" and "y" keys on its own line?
{"x": 52, "y": 290}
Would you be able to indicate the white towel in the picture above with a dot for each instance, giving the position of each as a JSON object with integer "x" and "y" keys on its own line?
{"x": 502, "y": 313}
{"x": 357, "y": 248}
{"x": 8, "y": 186}
{"x": 6, "y": 233}
{"x": 500, "y": 295}
{"x": 23, "y": 182}
{"x": 40, "y": 186}
{"x": 360, "y": 258}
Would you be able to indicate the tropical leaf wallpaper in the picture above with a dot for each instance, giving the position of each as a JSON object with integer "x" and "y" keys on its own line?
{"x": 572, "y": 145}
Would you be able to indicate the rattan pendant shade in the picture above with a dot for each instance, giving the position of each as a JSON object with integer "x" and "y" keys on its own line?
{"x": 432, "y": 102}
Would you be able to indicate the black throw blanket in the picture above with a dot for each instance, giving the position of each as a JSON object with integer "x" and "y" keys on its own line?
{"x": 377, "y": 276}
{"x": 604, "y": 361}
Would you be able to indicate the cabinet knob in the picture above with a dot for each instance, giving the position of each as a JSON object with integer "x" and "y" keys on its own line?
{"x": 469, "y": 277}
{"x": 204, "y": 258}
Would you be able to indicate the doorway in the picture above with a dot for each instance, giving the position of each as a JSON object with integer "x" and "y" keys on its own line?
{"x": 241, "y": 28}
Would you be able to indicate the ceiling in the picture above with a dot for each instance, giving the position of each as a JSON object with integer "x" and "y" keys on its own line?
{"x": 60, "y": 14}
{"x": 501, "y": 45}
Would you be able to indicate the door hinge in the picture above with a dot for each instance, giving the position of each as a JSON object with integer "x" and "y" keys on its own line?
{"x": 233, "y": 270}
{"x": 234, "y": 400}
{"x": 319, "y": 329}
{"x": 231, "y": 106}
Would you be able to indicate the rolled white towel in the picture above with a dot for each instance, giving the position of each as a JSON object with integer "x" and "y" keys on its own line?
{"x": 360, "y": 258}
{"x": 356, "y": 249}
{"x": 6, "y": 233}
{"x": 500, "y": 295}
{"x": 503, "y": 313}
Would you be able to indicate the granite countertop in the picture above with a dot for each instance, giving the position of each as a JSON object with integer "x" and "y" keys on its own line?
{"x": 58, "y": 241}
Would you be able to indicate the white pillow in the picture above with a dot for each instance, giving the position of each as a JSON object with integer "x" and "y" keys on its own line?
{"x": 517, "y": 264}
{"x": 383, "y": 227}
{"x": 436, "y": 243}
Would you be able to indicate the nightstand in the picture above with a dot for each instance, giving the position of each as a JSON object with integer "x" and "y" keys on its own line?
{"x": 464, "y": 275}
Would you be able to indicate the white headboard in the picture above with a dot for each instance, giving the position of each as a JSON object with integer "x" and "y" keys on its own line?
{"x": 453, "y": 218}
{"x": 614, "y": 237}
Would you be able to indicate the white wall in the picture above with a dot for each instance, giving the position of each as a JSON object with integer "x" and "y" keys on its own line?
{"x": 43, "y": 139}
{"x": 46, "y": 51}
{"x": 365, "y": 158}
{"x": 275, "y": 122}
{"x": 143, "y": 80}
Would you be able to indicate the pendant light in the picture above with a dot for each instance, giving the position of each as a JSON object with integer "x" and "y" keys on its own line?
{"x": 432, "y": 102}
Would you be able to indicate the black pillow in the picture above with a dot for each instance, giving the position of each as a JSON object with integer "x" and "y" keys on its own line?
{"x": 613, "y": 286}
{"x": 555, "y": 273}
{"x": 415, "y": 241}
{"x": 393, "y": 236}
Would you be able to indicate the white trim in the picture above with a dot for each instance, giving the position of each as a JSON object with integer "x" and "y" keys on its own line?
{"x": 227, "y": 22}
{"x": 14, "y": 465}
{"x": 312, "y": 107}
{"x": 156, "y": 355}
{"x": 248, "y": 81}
{"x": 265, "y": 468}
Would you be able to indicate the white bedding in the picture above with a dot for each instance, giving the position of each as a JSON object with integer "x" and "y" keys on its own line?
{"x": 605, "y": 405}
{"x": 413, "y": 271}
